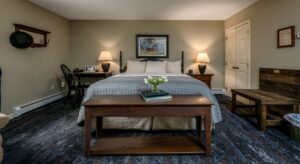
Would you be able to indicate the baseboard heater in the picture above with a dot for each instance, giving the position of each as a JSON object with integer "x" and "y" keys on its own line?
{"x": 19, "y": 110}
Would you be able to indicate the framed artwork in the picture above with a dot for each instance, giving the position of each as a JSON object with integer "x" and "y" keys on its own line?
{"x": 152, "y": 46}
{"x": 286, "y": 37}
{"x": 90, "y": 68}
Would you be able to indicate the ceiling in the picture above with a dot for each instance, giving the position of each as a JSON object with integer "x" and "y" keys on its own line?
{"x": 145, "y": 9}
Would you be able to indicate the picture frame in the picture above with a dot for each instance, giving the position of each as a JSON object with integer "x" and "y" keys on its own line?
{"x": 286, "y": 37}
{"x": 152, "y": 46}
{"x": 90, "y": 68}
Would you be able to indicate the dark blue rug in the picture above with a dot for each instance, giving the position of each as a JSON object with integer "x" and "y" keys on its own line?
{"x": 50, "y": 135}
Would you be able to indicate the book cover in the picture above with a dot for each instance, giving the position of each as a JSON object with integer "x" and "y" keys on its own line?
{"x": 159, "y": 98}
{"x": 154, "y": 94}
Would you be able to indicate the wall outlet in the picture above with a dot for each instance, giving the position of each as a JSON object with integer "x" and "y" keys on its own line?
{"x": 63, "y": 84}
{"x": 52, "y": 87}
{"x": 298, "y": 35}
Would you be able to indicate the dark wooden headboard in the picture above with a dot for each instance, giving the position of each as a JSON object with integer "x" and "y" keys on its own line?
{"x": 282, "y": 81}
{"x": 123, "y": 69}
{"x": 0, "y": 87}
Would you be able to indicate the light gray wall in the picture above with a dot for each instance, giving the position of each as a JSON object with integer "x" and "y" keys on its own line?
{"x": 267, "y": 16}
{"x": 88, "y": 38}
{"x": 29, "y": 73}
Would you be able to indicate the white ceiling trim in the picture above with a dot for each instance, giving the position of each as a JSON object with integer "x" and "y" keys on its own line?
{"x": 145, "y": 9}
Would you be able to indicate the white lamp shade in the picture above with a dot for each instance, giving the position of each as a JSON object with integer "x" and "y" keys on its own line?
{"x": 105, "y": 56}
{"x": 202, "y": 58}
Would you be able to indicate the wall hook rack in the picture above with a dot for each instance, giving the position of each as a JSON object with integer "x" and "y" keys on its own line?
{"x": 43, "y": 43}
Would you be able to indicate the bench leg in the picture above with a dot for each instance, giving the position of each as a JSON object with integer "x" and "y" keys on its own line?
{"x": 87, "y": 133}
{"x": 295, "y": 109}
{"x": 256, "y": 108}
{"x": 208, "y": 135}
{"x": 99, "y": 122}
{"x": 262, "y": 117}
{"x": 233, "y": 102}
{"x": 199, "y": 127}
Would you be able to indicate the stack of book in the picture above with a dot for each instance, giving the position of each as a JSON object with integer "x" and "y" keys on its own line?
{"x": 155, "y": 96}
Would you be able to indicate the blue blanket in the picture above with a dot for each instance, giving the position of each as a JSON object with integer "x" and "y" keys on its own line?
{"x": 130, "y": 85}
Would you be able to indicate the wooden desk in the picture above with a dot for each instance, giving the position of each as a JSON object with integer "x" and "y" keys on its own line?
{"x": 133, "y": 106}
{"x": 92, "y": 74}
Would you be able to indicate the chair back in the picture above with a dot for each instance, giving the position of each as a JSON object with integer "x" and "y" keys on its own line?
{"x": 71, "y": 79}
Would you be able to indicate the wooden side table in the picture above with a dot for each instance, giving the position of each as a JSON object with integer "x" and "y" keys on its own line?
{"x": 206, "y": 78}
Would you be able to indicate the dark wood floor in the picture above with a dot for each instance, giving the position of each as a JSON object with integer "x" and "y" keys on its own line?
{"x": 50, "y": 135}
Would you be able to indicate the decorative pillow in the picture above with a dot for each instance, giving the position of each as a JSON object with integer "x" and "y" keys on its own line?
{"x": 174, "y": 67}
{"x": 135, "y": 67}
{"x": 156, "y": 67}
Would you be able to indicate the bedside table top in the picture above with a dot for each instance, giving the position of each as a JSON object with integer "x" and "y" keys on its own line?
{"x": 200, "y": 74}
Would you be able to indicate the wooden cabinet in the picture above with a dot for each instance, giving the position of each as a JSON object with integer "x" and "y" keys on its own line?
{"x": 206, "y": 78}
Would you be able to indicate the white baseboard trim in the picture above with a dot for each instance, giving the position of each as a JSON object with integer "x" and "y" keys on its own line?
{"x": 19, "y": 110}
{"x": 218, "y": 91}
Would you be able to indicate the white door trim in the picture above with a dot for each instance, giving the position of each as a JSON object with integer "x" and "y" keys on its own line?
{"x": 249, "y": 56}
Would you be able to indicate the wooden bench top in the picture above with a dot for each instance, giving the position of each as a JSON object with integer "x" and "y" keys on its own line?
{"x": 265, "y": 97}
{"x": 135, "y": 100}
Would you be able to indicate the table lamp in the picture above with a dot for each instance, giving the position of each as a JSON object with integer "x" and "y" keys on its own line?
{"x": 104, "y": 57}
{"x": 202, "y": 59}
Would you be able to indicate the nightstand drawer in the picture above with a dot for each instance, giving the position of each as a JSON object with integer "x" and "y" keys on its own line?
{"x": 206, "y": 78}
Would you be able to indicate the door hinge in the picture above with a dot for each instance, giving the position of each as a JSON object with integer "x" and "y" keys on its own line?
{"x": 226, "y": 38}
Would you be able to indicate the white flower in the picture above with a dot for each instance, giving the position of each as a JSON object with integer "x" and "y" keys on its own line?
{"x": 165, "y": 78}
{"x": 146, "y": 81}
{"x": 150, "y": 77}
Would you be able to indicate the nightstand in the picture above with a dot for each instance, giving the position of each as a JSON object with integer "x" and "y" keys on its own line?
{"x": 206, "y": 78}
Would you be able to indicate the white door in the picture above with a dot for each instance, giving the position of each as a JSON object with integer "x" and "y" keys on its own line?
{"x": 243, "y": 52}
{"x": 231, "y": 60}
{"x": 237, "y": 70}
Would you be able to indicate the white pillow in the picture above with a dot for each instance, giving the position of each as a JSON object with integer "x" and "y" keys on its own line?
{"x": 156, "y": 67}
{"x": 174, "y": 67}
{"x": 135, "y": 67}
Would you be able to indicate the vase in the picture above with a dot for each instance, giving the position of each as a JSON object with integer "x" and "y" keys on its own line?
{"x": 154, "y": 88}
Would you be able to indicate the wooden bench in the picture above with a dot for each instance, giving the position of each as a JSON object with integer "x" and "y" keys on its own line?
{"x": 133, "y": 106}
{"x": 279, "y": 90}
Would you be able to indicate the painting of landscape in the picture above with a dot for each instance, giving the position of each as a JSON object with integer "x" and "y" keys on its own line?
{"x": 152, "y": 46}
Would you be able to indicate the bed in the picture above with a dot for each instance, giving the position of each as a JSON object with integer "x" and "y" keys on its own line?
{"x": 131, "y": 83}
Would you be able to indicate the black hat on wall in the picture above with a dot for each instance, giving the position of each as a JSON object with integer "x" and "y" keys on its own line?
{"x": 20, "y": 39}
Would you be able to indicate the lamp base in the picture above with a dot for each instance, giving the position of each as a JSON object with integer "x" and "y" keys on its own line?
{"x": 105, "y": 67}
{"x": 202, "y": 68}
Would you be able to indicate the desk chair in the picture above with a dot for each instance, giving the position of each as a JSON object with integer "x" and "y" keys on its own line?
{"x": 73, "y": 83}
